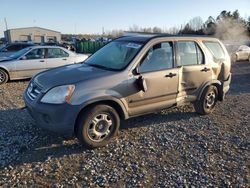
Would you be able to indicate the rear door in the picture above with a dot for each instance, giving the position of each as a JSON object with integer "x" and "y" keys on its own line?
{"x": 56, "y": 57}
{"x": 32, "y": 63}
{"x": 194, "y": 72}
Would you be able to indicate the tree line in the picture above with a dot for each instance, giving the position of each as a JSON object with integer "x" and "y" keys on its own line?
{"x": 226, "y": 26}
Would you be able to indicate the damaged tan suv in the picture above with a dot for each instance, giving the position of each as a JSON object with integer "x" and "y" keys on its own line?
{"x": 130, "y": 76}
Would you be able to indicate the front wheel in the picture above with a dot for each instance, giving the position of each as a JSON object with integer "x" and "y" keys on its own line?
{"x": 3, "y": 77}
{"x": 207, "y": 101}
{"x": 97, "y": 126}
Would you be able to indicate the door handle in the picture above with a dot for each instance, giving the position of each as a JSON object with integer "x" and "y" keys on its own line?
{"x": 41, "y": 60}
{"x": 170, "y": 75}
{"x": 64, "y": 59}
{"x": 205, "y": 69}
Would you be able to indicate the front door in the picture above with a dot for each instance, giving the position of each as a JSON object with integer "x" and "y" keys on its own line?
{"x": 30, "y": 64}
{"x": 161, "y": 78}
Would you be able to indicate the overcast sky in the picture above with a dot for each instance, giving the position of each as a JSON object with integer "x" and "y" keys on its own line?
{"x": 89, "y": 16}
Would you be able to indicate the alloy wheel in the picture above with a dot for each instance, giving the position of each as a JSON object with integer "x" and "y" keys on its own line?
{"x": 210, "y": 100}
{"x": 100, "y": 127}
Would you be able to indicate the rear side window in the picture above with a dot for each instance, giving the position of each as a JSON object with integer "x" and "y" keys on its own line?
{"x": 56, "y": 53}
{"x": 216, "y": 49}
{"x": 189, "y": 53}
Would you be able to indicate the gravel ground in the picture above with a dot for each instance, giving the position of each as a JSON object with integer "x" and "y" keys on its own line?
{"x": 175, "y": 147}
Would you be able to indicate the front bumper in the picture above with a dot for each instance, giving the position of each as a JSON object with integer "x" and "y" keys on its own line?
{"x": 59, "y": 118}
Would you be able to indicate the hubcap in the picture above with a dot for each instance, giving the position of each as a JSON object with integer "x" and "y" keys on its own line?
{"x": 2, "y": 77}
{"x": 210, "y": 99}
{"x": 99, "y": 127}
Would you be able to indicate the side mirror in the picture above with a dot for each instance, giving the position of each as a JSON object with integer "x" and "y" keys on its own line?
{"x": 23, "y": 58}
{"x": 142, "y": 84}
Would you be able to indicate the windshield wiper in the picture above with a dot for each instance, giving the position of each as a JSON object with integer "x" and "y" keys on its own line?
{"x": 101, "y": 67}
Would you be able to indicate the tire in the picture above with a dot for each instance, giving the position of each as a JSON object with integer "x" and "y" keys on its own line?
{"x": 3, "y": 77}
{"x": 97, "y": 126}
{"x": 207, "y": 101}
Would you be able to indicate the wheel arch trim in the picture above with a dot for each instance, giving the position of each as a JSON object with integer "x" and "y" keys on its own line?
{"x": 216, "y": 83}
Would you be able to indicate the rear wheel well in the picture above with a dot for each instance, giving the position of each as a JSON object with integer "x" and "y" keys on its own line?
{"x": 113, "y": 104}
{"x": 219, "y": 89}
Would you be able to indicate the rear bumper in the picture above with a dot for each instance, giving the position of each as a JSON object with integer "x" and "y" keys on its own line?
{"x": 226, "y": 86}
{"x": 57, "y": 118}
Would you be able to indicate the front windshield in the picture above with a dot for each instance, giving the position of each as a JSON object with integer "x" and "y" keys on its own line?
{"x": 19, "y": 53}
{"x": 115, "y": 55}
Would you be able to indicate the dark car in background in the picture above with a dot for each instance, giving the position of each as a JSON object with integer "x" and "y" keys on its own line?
{"x": 9, "y": 49}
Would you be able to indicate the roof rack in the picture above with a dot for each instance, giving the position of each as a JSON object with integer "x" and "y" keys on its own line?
{"x": 135, "y": 33}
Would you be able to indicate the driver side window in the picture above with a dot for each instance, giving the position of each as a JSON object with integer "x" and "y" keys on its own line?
{"x": 36, "y": 54}
{"x": 159, "y": 57}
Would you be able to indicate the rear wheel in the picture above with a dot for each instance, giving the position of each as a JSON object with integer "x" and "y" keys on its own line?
{"x": 3, "y": 77}
{"x": 207, "y": 101}
{"x": 97, "y": 126}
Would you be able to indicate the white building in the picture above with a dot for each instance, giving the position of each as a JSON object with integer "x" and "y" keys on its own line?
{"x": 33, "y": 34}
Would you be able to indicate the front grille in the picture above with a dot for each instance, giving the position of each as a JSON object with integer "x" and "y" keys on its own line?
{"x": 33, "y": 91}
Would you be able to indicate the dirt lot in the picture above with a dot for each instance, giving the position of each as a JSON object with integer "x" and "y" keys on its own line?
{"x": 176, "y": 147}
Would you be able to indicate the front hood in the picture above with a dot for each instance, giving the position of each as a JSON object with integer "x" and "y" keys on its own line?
{"x": 70, "y": 74}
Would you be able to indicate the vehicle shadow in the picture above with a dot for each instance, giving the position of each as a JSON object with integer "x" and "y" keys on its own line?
{"x": 164, "y": 116}
{"x": 16, "y": 81}
{"x": 240, "y": 84}
{"x": 23, "y": 143}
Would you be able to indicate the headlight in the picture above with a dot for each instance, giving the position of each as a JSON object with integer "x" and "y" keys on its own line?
{"x": 59, "y": 95}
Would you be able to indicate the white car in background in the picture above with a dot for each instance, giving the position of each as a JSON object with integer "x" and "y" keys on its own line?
{"x": 243, "y": 53}
{"x": 32, "y": 60}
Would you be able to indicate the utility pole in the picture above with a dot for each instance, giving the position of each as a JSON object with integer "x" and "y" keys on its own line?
{"x": 103, "y": 31}
{"x": 6, "y": 25}
{"x": 6, "y": 32}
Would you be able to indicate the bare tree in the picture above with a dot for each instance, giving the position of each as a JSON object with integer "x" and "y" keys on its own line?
{"x": 196, "y": 23}
{"x": 134, "y": 28}
{"x": 157, "y": 30}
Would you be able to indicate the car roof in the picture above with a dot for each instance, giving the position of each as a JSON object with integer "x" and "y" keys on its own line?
{"x": 21, "y": 43}
{"x": 46, "y": 46}
{"x": 145, "y": 37}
